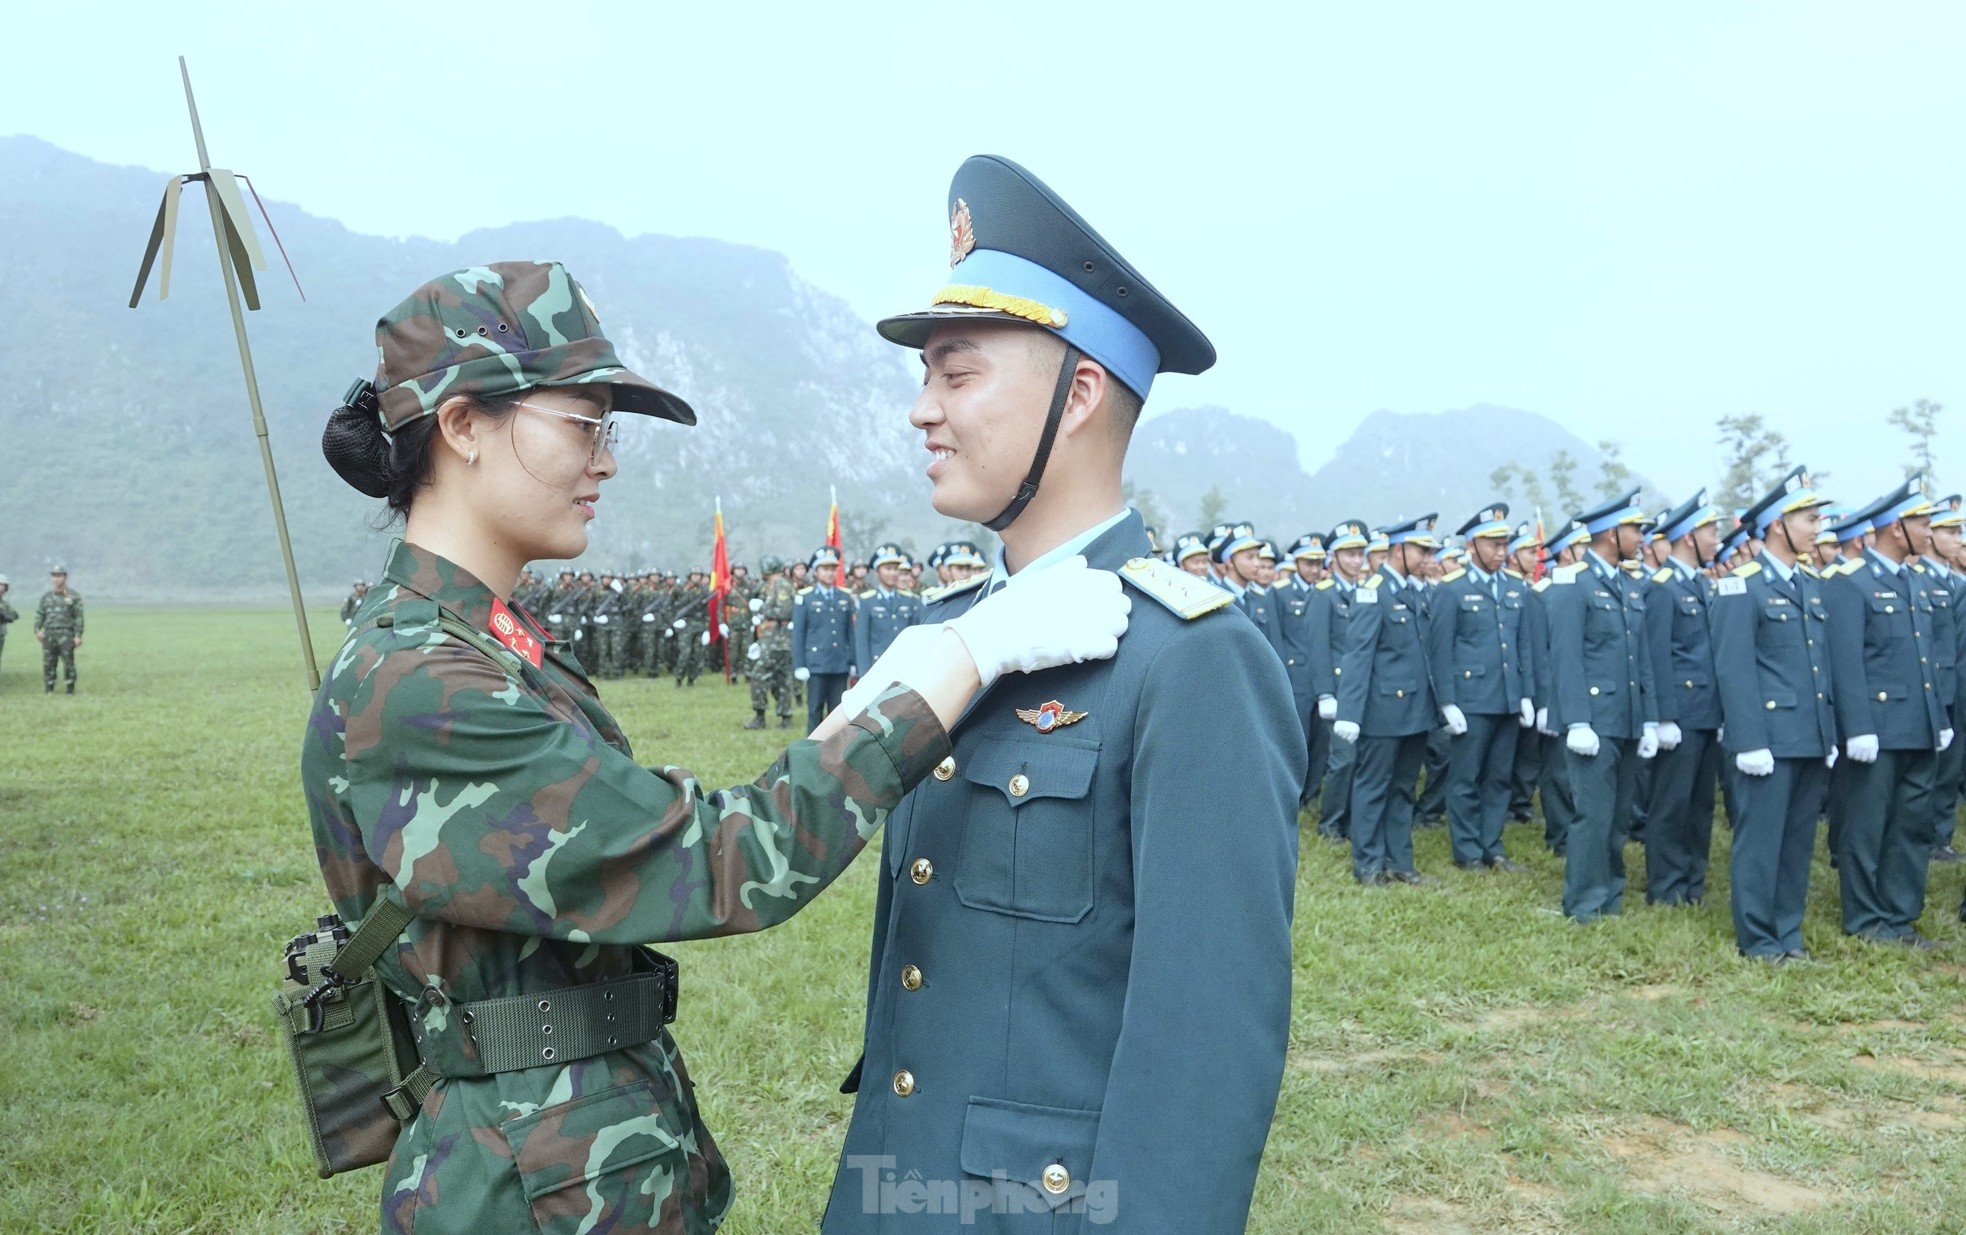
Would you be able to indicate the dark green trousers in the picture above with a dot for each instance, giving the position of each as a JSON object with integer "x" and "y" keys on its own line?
{"x": 1774, "y": 840}
{"x": 1886, "y": 842}
{"x": 1679, "y": 833}
{"x": 1594, "y": 857}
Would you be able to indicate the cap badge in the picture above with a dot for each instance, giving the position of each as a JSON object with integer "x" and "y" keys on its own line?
{"x": 1050, "y": 716}
{"x": 962, "y": 236}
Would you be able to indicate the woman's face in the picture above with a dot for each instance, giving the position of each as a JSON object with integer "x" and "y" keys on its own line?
{"x": 539, "y": 474}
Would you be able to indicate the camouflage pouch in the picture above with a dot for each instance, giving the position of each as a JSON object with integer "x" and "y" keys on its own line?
{"x": 349, "y": 1038}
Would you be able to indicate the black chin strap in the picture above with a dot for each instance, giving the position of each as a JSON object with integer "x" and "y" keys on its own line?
{"x": 1029, "y": 489}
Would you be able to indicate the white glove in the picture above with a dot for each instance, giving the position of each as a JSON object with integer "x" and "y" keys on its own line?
{"x": 1582, "y": 740}
{"x": 756, "y": 621}
{"x": 553, "y": 618}
{"x": 1829, "y": 760}
{"x": 1327, "y": 707}
{"x": 1457, "y": 722}
{"x": 1063, "y": 615}
{"x": 1669, "y": 735}
{"x": 801, "y": 674}
{"x": 1345, "y": 730}
{"x": 1543, "y": 723}
{"x": 706, "y": 639}
{"x": 1755, "y": 762}
{"x": 1527, "y": 716}
{"x": 757, "y": 604}
{"x": 648, "y": 617}
{"x": 757, "y": 652}
{"x": 1945, "y": 738}
{"x": 1648, "y": 741}
{"x": 1862, "y": 748}
{"x": 678, "y": 624}
{"x": 723, "y": 629}
{"x": 669, "y": 634}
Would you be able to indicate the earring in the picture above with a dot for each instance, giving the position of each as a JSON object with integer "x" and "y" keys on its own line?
{"x": 472, "y": 458}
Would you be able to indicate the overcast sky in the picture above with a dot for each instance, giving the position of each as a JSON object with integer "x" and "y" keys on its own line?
{"x": 1634, "y": 219}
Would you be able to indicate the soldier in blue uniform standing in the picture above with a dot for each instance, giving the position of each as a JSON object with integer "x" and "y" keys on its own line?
{"x": 1893, "y": 720}
{"x": 1559, "y": 804}
{"x": 1603, "y": 702}
{"x": 1525, "y": 556}
{"x": 1946, "y": 527}
{"x": 1237, "y": 559}
{"x": 1772, "y": 649}
{"x": 1079, "y": 999}
{"x": 1191, "y": 555}
{"x": 1292, "y": 597}
{"x": 822, "y": 638}
{"x": 1679, "y": 828}
{"x": 1331, "y": 624}
{"x": 1386, "y": 705}
{"x": 884, "y": 610}
{"x": 1483, "y": 675}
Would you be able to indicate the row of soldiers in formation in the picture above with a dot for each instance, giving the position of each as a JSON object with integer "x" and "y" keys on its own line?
{"x": 1796, "y": 660}
{"x": 58, "y": 620}
{"x": 799, "y": 630}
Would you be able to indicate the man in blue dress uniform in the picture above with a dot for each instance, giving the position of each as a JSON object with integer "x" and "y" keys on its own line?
{"x": 1772, "y": 644}
{"x": 1331, "y": 625}
{"x": 1292, "y": 598}
{"x": 1483, "y": 673}
{"x": 822, "y": 638}
{"x": 1238, "y": 558}
{"x": 1946, "y": 528}
{"x": 1079, "y": 997}
{"x": 1603, "y": 702}
{"x": 1559, "y": 804}
{"x": 1525, "y": 559}
{"x": 1893, "y": 720}
{"x": 1679, "y": 828}
{"x": 884, "y": 610}
{"x": 1386, "y": 705}
{"x": 1191, "y": 554}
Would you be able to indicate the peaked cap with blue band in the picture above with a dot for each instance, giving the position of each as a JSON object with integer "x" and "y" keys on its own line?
{"x": 1790, "y": 494}
{"x": 1688, "y": 517}
{"x": 1615, "y": 513}
{"x": 1418, "y": 532}
{"x": 1019, "y": 253}
{"x": 1572, "y": 535}
{"x": 1908, "y": 501}
{"x": 1492, "y": 521}
{"x": 1525, "y": 538}
{"x": 1854, "y": 524}
{"x": 1351, "y": 534}
{"x": 1948, "y": 512}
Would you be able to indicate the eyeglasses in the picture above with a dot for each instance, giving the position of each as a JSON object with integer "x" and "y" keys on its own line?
{"x": 605, "y": 432}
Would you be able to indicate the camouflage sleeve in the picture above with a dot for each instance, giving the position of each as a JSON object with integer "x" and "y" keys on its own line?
{"x": 40, "y": 615}
{"x": 489, "y": 810}
{"x": 77, "y": 610}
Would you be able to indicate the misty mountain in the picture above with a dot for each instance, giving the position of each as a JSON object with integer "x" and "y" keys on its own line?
{"x": 128, "y": 452}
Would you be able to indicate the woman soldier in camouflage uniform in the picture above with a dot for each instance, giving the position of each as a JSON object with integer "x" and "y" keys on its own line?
{"x": 480, "y": 781}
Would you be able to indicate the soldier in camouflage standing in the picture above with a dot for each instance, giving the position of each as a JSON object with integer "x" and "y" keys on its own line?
{"x": 768, "y": 663}
{"x": 692, "y": 626}
{"x": 457, "y": 765}
{"x": 354, "y": 602}
{"x": 58, "y": 625}
{"x": 604, "y": 626}
{"x": 735, "y": 613}
{"x": 7, "y": 612}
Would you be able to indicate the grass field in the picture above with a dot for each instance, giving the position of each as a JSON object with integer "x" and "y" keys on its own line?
{"x": 1462, "y": 1059}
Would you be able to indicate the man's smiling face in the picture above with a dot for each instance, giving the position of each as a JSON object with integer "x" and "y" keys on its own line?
{"x": 985, "y": 388}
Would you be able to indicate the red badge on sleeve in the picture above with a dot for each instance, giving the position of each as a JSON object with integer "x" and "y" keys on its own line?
{"x": 507, "y": 630}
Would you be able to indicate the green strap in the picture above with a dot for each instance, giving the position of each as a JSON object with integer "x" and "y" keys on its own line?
{"x": 386, "y": 920}
{"x": 540, "y": 1028}
{"x": 404, "y": 1100}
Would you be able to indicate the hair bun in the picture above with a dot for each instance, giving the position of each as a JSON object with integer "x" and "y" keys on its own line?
{"x": 357, "y": 451}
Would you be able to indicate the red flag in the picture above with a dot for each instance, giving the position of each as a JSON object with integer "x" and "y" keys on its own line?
{"x": 720, "y": 583}
{"x": 833, "y": 539}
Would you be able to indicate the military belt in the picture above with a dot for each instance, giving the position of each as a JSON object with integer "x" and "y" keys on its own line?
{"x": 489, "y": 1036}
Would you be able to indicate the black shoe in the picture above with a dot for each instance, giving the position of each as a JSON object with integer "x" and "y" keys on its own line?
{"x": 1917, "y": 942}
{"x": 1413, "y": 877}
{"x": 71, "y": 688}
{"x": 1946, "y": 853}
{"x": 1768, "y": 958}
{"x": 1503, "y": 864}
{"x": 50, "y": 689}
{"x": 756, "y": 722}
{"x": 784, "y": 722}
{"x": 1377, "y": 879}
{"x": 1795, "y": 954}
{"x": 1470, "y": 866}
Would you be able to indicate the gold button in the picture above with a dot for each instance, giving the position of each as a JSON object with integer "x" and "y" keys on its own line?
{"x": 1467, "y": 673}
{"x": 1019, "y": 785}
{"x": 1056, "y": 1179}
{"x": 904, "y": 1082}
{"x": 1881, "y": 696}
{"x": 1889, "y": 609}
{"x": 922, "y": 871}
{"x": 1771, "y": 705}
{"x": 1689, "y": 682}
{"x": 945, "y": 769}
{"x": 911, "y": 978}
{"x": 1593, "y": 690}
{"x": 1399, "y": 694}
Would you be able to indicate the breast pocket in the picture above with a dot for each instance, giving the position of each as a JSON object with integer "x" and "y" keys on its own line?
{"x": 1027, "y": 835}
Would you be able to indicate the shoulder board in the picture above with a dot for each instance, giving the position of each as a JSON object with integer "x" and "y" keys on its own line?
{"x": 1843, "y": 568}
{"x": 1745, "y": 570}
{"x": 937, "y": 594}
{"x": 1179, "y": 592}
{"x": 1808, "y": 570}
{"x": 1374, "y": 581}
{"x": 868, "y": 594}
{"x": 1566, "y": 574}
{"x": 1633, "y": 567}
{"x": 1732, "y": 585}
{"x": 1662, "y": 575}
{"x": 1325, "y": 583}
{"x": 1512, "y": 572}
{"x": 1540, "y": 584}
{"x": 804, "y": 590}
{"x": 1452, "y": 576}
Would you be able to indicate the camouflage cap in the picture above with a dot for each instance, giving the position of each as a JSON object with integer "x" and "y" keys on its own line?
{"x": 498, "y": 330}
